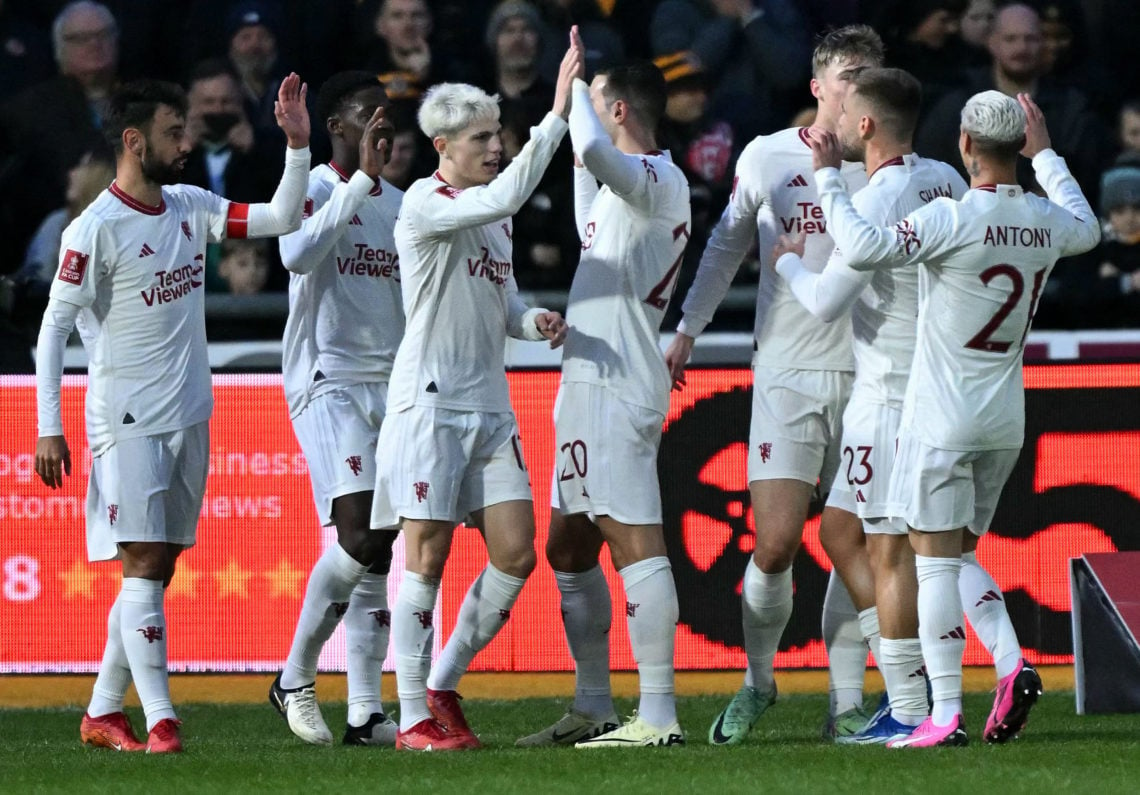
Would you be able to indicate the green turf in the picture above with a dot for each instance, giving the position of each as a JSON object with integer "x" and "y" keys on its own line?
{"x": 248, "y": 748}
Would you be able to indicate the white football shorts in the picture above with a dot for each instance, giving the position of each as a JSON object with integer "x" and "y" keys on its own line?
{"x": 797, "y": 421}
{"x": 440, "y": 464}
{"x": 866, "y": 458}
{"x": 337, "y": 432}
{"x": 149, "y": 488}
{"x": 940, "y": 490}
{"x": 605, "y": 458}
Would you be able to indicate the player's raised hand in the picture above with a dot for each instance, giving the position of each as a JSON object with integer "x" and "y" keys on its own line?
{"x": 788, "y": 244}
{"x": 553, "y": 327}
{"x": 676, "y": 357}
{"x": 53, "y": 460}
{"x": 573, "y": 65}
{"x": 375, "y": 143}
{"x": 1036, "y": 134}
{"x": 291, "y": 111}
{"x": 825, "y": 151}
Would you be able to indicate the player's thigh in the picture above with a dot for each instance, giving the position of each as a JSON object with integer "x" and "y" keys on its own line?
{"x": 631, "y": 544}
{"x": 338, "y": 433}
{"x": 779, "y": 509}
{"x": 933, "y": 488}
{"x": 495, "y": 470}
{"x": 606, "y": 456}
{"x": 427, "y": 453}
{"x": 992, "y": 469}
{"x": 796, "y": 424}
{"x": 573, "y": 542}
{"x": 427, "y": 544}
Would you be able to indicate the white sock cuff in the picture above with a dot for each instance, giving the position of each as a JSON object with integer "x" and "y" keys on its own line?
{"x": 636, "y": 573}
{"x": 372, "y": 585}
{"x": 419, "y": 591}
{"x": 137, "y": 590}
{"x": 927, "y": 567}
{"x": 571, "y": 581}
{"x": 869, "y": 622}
{"x": 506, "y": 586}
{"x": 767, "y": 589}
{"x": 343, "y": 563}
{"x": 970, "y": 557}
{"x": 899, "y": 650}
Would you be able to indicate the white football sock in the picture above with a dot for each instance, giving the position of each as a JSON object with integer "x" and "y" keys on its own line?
{"x": 869, "y": 626}
{"x": 846, "y": 649}
{"x": 142, "y": 625}
{"x": 651, "y": 611}
{"x": 985, "y": 607}
{"x": 767, "y": 603}
{"x": 334, "y": 576}
{"x": 412, "y": 633}
{"x": 484, "y": 611}
{"x": 586, "y": 616}
{"x": 903, "y": 671}
{"x": 367, "y": 625}
{"x": 942, "y": 630}
{"x": 114, "y": 671}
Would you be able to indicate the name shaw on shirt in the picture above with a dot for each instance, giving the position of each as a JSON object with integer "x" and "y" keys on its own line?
{"x": 366, "y": 261}
{"x": 174, "y": 283}
{"x": 1019, "y": 236}
{"x": 483, "y": 267}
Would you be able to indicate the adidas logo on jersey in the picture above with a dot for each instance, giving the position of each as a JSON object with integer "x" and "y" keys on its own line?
{"x": 355, "y": 221}
{"x": 145, "y": 251}
{"x": 798, "y": 182}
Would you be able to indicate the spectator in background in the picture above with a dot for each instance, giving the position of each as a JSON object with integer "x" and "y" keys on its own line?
{"x": 761, "y": 54}
{"x": 920, "y": 37}
{"x": 253, "y": 29}
{"x": 244, "y": 265}
{"x": 513, "y": 39}
{"x": 406, "y": 160}
{"x": 25, "y": 58}
{"x": 1067, "y": 56}
{"x": 1015, "y": 45}
{"x": 1115, "y": 297}
{"x": 1128, "y": 127}
{"x": 52, "y": 124}
{"x": 974, "y": 32}
{"x": 399, "y": 50}
{"x": 229, "y": 156}
{"x": 603, "y": 42}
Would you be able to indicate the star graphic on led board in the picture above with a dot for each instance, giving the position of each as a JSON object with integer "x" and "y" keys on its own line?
{"x": 284, "y": 580}
{"x": 232, "y": 580}
{"x": 77, "y": 580}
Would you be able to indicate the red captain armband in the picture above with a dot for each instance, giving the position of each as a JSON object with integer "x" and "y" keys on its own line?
{"x": 237, "y": 221}
{"x": 308, "y": 211}
{"x": 72, "y": 266}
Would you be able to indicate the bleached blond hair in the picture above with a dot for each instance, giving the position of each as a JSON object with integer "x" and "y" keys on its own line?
{"x": 448, "y": 108}
{"x": 994, "y": 121}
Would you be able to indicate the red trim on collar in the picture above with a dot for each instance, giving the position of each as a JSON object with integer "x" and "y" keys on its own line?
{"x": 894, "y": 161}
{"x": 135, "y": 204}
{"x": 803, "y": 133}
{"x": 987, "y": 188}
{"x": 377, "y": 189}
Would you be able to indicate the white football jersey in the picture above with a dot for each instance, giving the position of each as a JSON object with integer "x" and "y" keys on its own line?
{"x": 137, "y": 272}
{"x": 884, "y": 303}
{"x": 632, "y": 248}
{"x": 984, "y": 261}
{"x": 773, "y": 193}
{"x": 460, "y": 296}
{"x": 345, "y": 312}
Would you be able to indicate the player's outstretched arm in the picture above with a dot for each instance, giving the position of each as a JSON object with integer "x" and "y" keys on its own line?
{"x": 53, "y": 458}
{"x": 306, "y": 248}
{"x": 827, "y": 294}
{"x": 291, "y": 112}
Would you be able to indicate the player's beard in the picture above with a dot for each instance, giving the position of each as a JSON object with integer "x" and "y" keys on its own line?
{"x": 158, "y": 172}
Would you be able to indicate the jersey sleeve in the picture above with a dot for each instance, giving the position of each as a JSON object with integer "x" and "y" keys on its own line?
{"x": 585, "y": 191}
{"x": 827, "y": 294}
{"x": 923, "y": 234}
{"x": 1083, "y": 232}
{"x": 86, "y": 256}
{"x": 728, "y": 242}
{"x": 281, "y": 214}
{"x": 448, "y": 209}
{"x": 520, "y": 317}
{"x": 629, "y": 176}
{"x": 323, "y": 222}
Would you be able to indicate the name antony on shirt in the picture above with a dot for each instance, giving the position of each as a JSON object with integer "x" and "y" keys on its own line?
{"x": 1021, "y": 236}
{"x": 376, "y": 262}
{"x": 174, "y": 284}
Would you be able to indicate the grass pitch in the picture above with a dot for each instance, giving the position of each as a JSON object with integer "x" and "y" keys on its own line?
{"x": 248, "y": 748}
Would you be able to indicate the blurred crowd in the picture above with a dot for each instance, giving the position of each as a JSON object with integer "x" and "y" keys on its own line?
{"x": 735, "y": 69}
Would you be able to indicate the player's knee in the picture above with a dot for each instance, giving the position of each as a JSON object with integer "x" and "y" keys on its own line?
{"x": 773, "y": 560}
{"x": 518, "y": 562}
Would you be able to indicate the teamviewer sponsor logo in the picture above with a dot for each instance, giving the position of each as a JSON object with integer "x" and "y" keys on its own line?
{"x": 170, "y": 285}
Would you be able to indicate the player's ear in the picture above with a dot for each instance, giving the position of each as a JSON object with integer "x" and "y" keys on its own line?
{"x": 866, "y": 127}
{"x": 333, "y": 125}
{"x": 440, "y": 145}
{"x": 133, "y": 141}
